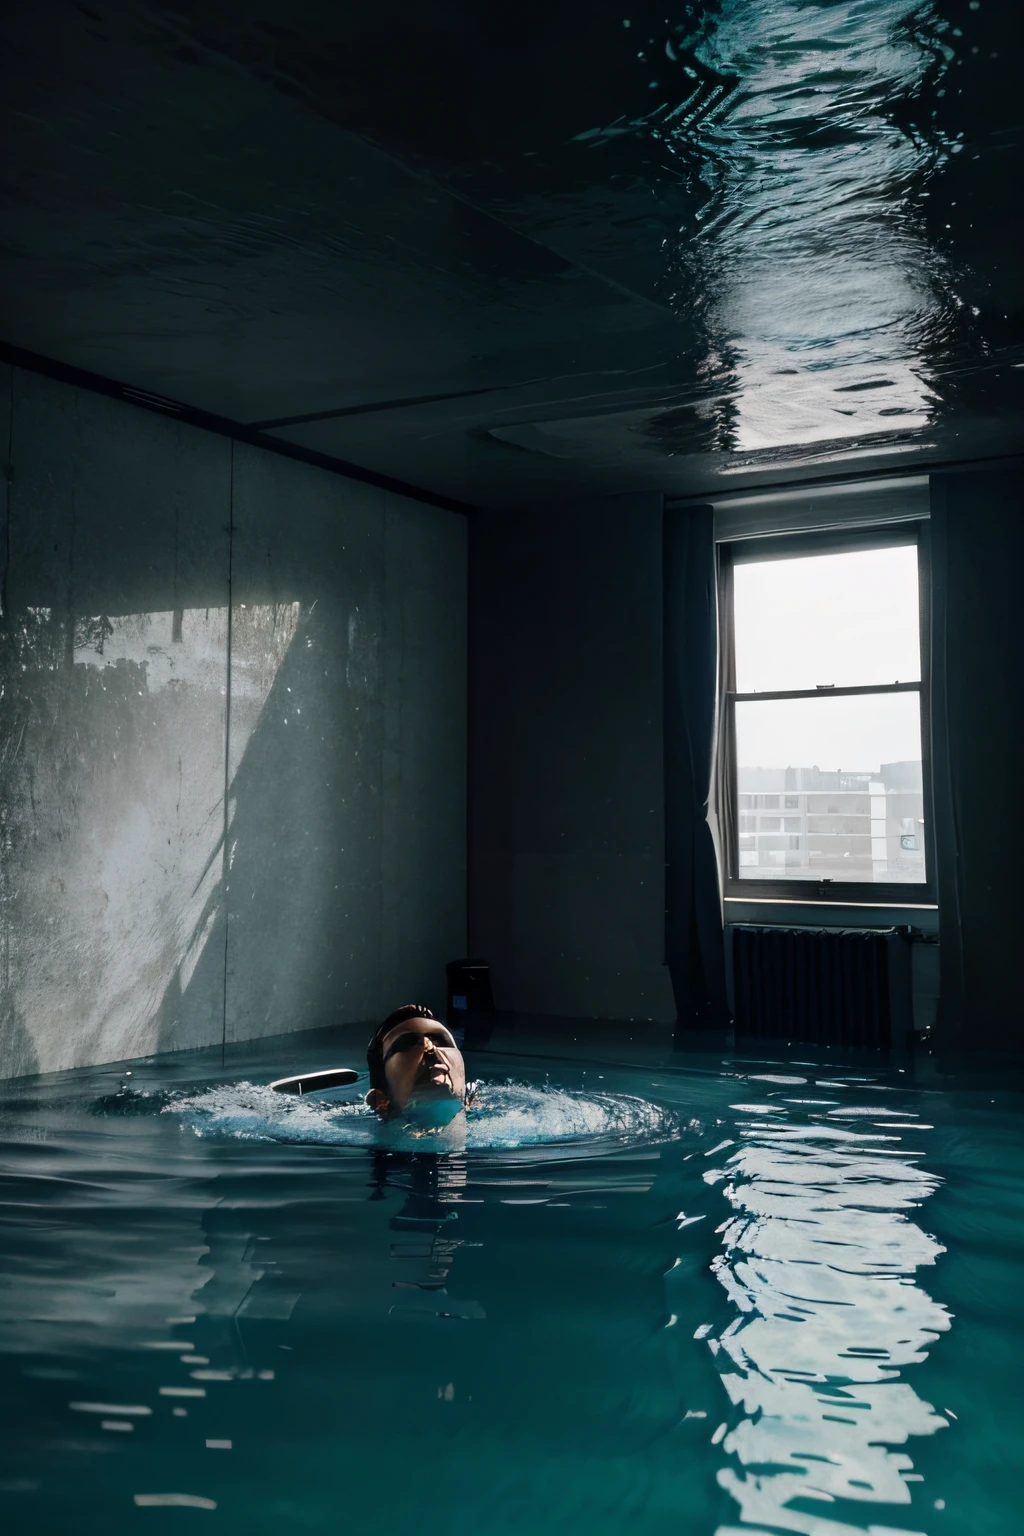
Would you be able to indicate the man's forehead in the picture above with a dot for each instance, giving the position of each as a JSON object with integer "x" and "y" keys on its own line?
{"x": 416, "y": 1025}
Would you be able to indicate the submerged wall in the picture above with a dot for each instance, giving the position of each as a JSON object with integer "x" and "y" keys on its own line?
{"x": 232, "y": 738}
{"x": 567, "y": 830}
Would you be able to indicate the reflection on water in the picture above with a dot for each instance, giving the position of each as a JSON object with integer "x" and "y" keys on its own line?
{"x": 805, "y": 251}
{"x": 425, "y": 1245}
{"x": 211, "y": 1295}
{"x": 821, "y": 1263}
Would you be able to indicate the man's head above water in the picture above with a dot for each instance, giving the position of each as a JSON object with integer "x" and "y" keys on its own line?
{"x": 413, "y": 1058}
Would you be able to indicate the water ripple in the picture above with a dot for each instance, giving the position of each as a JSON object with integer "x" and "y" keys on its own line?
{"x": 804, "y": 137}
{"x": 820, "y": 1262}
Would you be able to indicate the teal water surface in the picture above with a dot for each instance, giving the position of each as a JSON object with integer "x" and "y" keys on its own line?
{"x": 742, "y": 1296}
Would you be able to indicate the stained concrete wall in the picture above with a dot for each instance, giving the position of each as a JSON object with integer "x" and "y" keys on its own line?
{"x": 567, "y": 829}
{"x": 232, "y": 783}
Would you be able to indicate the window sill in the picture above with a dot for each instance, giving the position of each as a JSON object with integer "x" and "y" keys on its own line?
{"x": 788, "y": 911}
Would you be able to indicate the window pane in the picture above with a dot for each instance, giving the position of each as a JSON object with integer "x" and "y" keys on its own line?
{"x": 841, "y": 619}
{"x": 853, "y": 766}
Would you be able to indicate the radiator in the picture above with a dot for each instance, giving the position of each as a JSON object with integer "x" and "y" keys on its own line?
{"x": 826, "y": 986}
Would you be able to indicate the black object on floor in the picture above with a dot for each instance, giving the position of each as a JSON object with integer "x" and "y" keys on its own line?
{"x": 470, "y": 1000}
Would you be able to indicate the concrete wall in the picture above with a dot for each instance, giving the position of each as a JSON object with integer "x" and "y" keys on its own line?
{"x": 232, "y": 727}
{"x": 567, "y": 865}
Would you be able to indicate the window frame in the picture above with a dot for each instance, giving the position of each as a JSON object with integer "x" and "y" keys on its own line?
{"x": 781, "y": 546}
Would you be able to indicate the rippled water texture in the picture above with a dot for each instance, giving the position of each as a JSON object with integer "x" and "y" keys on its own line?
{"x": 807, "y": 140}
{"x": 824, "y": 276}
{"x": 741, "y": 1296}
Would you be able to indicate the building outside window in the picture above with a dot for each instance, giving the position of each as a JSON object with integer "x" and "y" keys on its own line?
{"x": 823, "y": 761}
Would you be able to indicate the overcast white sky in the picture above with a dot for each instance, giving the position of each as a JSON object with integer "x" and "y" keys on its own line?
{"x": 842, "y": 619}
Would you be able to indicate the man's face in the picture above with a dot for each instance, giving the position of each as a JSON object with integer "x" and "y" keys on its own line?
{"x": 422, "y": 1063}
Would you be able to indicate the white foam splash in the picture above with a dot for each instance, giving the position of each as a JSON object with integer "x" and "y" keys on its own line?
{"x": 502, "y": 1116}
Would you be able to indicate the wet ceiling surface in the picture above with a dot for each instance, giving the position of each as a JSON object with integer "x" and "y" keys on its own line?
{"x": 506, "y": 255}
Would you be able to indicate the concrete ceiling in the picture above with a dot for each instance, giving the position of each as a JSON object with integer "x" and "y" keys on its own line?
{"x": 501, "y": 255}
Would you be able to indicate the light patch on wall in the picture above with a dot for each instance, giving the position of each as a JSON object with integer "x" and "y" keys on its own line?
{"x": 186, "y": 646}
{"x": 113, "y": 805}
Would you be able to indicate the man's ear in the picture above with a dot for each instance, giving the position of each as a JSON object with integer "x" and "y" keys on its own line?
{"x": 378, "y": 1100}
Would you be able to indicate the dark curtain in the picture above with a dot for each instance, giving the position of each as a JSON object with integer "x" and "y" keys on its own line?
{"x": 977, "y": 693}
{"x": 694, "y": 945}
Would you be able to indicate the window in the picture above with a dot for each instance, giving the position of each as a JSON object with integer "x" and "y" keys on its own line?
{"x": 825, "y": 713}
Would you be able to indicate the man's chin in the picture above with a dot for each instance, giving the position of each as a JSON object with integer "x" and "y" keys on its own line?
{"x": 433, "y": 1093}
{"x": 430, "y": 1090}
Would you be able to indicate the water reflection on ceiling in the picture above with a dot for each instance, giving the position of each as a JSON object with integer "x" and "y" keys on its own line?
{"x": 645, "y": 246}
{"x": 804, "y": 253}
{"x": 820, "y": 284}
{"x": 810, "y": 153}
